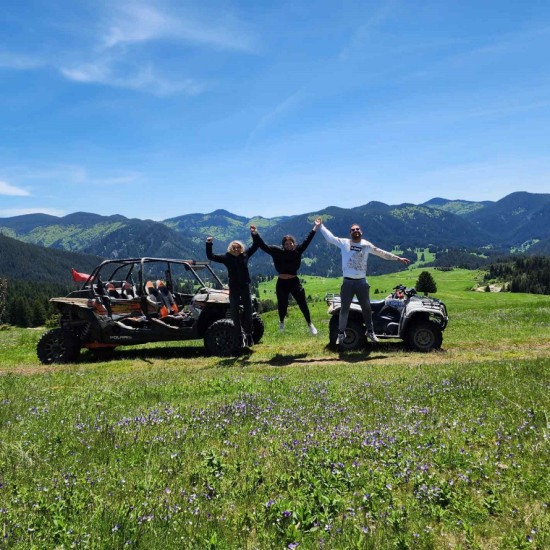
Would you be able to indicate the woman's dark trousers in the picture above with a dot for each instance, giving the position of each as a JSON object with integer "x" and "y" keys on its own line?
{"x": 284, "y": 288}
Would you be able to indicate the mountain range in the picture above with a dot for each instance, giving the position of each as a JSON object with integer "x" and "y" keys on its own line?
{"x": 519, "y": 221}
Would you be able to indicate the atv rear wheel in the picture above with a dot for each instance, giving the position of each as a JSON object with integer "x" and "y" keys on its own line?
{"x": 258, "y": 328}
{"x": 355, "y": 334}
{"x": 424, "y": 336}
{"x": 58, "y": 346}
{"x": 220, "y": 338}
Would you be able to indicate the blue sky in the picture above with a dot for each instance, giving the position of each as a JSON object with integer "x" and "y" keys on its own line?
{"x": 154, "y": 108}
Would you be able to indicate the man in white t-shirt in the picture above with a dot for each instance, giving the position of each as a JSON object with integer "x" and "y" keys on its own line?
{"x": 355, "y": 253}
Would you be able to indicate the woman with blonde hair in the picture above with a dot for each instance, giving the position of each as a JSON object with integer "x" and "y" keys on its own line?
{"x": 236, "y": 261}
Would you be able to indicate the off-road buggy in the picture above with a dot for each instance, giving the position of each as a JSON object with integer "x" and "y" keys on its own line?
{"x": 139, "y": 300}
{"x": 418, "y": 320}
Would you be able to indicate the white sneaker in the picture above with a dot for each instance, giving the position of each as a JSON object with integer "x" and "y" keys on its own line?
{"x": 371, "y": 336}
{"x": 340, "y": 338}
{"x": 243, "y": 340}
{"x": 312, "y": 329}
{"x": 281, "y": 326}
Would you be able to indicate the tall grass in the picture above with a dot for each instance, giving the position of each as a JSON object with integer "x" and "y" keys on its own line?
{"x": 292, "y": 445}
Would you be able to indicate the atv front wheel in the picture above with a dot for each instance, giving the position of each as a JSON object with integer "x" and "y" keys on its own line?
{"x": 355, "y": 334}
{"x": 258, "y": 328}
{"x": 58, "y": 346}
{"x": 220, "y": 338}
{"x": 424, "y": 336}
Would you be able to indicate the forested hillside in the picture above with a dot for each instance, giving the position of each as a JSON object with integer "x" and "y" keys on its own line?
{"x": 516, "y": 218}
{"x": 524, "y": 274}
{"x": 29, "y": 262}
{"x": 107, "y": 236}
{"x": 220, "y": 224}
{"x": 34, "y": 274}
{"x": 459, "y": 207}
{"x": 27, "y": 303}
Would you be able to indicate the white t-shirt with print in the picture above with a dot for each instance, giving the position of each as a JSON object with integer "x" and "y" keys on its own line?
{"x": 355, "y": 255}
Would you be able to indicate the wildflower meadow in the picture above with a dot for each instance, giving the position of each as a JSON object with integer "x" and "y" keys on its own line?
{"x": 293, "y": 445}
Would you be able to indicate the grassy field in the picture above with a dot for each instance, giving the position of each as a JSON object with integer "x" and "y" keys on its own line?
{"x": 292, "y": 445}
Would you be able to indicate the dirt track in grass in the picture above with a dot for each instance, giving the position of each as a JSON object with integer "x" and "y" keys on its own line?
{"x": 384, "y": 354}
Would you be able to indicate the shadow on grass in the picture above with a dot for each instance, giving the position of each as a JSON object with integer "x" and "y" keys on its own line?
{"x": 144, "y": 354}
{"x": 380, "y": 350}
{"x": 370, "y": 352}
{"x": 280, "y": 360}
{"x": 240, "y": 360}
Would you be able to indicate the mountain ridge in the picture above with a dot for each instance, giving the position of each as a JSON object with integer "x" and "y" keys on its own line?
{"x": 515, "y": 222}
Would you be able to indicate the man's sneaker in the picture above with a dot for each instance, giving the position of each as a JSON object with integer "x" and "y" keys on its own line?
{"x": 312, "y": 329}
{"x": 371, "y": 336}
{"x": 281, "y": 326}
{"x": 340, "y": 338}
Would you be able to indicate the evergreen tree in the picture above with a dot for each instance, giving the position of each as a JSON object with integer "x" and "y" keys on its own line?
{"x": 39, "y": 312}
{"x": 21, "y": 313}
{"x": 426, "y": 283}
{"x": 3, "y": 298}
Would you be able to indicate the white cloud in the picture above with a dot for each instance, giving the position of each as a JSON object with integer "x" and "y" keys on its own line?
{"x": 7, "y": 189}
{"x": 10, "y": 212}
{"x": 115, "y": 49}
{"x": 133, "y": 78}
{"x": 141, "y": 21}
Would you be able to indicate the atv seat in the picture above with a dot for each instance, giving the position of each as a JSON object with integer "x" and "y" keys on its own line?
{"x": 377, "y": 305}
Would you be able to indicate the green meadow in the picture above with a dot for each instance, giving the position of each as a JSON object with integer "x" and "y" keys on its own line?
{"x": 292, "y": 445}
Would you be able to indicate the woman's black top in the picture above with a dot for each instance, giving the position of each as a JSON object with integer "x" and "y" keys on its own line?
{"x": 237, "y": 266}
{"x": 286, "y": 261}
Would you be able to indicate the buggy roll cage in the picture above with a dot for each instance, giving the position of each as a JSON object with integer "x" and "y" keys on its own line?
{"x": 192, "y": 266}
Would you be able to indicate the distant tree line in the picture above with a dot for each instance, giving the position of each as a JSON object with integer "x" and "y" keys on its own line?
{"x": 26, "y": 303}
{"x": 461, "y": 258}
{"x": 529, "y": 274}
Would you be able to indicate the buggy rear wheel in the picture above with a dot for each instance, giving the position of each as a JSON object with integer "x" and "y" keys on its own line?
{"x": 424, "y": 336}
{"x": 220, "y": 339}
{"x": 58, "y": 346}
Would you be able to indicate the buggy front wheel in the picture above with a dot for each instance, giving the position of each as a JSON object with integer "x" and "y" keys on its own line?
{"x": 220, "y": 338}
{"x": 58, "y": 346}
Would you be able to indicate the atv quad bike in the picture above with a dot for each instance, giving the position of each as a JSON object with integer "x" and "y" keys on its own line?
{"x": 140, "y": 300}
{"x": 418, "y": 320}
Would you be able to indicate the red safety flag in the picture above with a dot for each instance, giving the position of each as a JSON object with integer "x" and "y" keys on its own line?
{"x": 79, "y": 277}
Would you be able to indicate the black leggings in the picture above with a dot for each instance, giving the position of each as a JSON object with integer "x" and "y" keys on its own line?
{"x": 291, "y": 286}
{"x": 241, "y": 295}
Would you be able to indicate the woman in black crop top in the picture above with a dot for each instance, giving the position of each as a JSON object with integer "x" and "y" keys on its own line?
{"x": 287, "y": 260}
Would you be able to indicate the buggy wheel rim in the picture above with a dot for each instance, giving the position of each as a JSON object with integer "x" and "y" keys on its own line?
{"x": 55, "y": 349}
